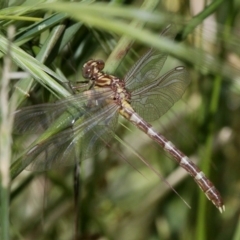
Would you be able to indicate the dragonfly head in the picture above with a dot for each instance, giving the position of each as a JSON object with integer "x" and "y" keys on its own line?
{"x": 91, "y": 69}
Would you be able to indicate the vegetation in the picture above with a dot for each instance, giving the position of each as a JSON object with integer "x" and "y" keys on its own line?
{"x": 119, "y": 196}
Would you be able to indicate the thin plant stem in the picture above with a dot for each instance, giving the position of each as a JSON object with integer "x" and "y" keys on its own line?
{"x": 124, "y": 44}
{"x": 6, "y": 121}
{"x": 199, "y": 18}
{"x": 205, "y": 166}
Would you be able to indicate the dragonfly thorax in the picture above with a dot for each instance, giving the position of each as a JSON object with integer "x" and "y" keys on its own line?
{"x": 121, "y": 94}
{"x": 92, "y": 70}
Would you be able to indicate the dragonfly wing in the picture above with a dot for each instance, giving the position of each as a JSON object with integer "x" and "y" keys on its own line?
{"x": 100, "y": 135}
{"x": 149, "y": 66}
{"x": 36, "y": 119}
{"x": 152, "y": 101}
{"x": 50, "y": 153}
{"x": 88, "y": 136}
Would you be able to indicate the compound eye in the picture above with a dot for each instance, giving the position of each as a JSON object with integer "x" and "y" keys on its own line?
{"x": 87, "y": 71}
{"x": 100, "y": 64}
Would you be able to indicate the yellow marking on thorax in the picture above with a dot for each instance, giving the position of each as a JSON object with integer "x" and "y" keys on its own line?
{"x": 103, "y": 80}
{"x": 123, "y": 112}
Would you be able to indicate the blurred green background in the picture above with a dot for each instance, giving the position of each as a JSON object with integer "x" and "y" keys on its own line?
{"x": 119, "y": 200}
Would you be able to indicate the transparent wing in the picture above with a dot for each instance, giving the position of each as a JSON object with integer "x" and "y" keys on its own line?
{"x": 88, "y": 136}
{"x": 152, "y": 101}
{"x": 149, "y": 66}
{"x": 36, "y": 119}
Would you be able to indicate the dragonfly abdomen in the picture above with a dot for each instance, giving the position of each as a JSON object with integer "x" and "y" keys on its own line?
{"x": 203, "y": 182}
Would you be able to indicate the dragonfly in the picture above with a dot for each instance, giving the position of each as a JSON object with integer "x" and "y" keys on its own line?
{"x": 87, "y": 121}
